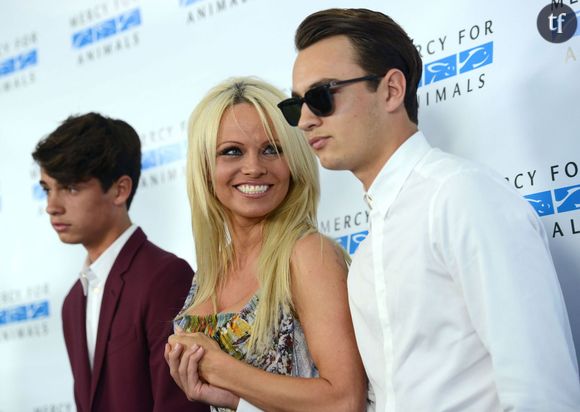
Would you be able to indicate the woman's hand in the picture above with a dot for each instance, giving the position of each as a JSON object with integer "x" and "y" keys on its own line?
{"x": 183, "y": 364}
{"x": 213, "y": 359}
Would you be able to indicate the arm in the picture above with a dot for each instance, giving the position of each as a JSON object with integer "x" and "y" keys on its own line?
{"x": 497, "y": 252}
{"x": 320, "y": 297}
{"x": 164, "y": 299}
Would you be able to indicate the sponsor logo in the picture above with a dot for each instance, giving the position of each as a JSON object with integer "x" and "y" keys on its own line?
{"x": 464, "y": 67}
{"x": 24, "y": 313}
{"x": 19, "y": 60}
{"x": 351, "y": 242}
{"x": 560, "y": 200}
{"x": 163, "y": 155}
{"x": 458, "y": 63}
{"x": 354, "y": 224}
{"x": 557, "y": 22}
{"x": 201, "y": 10}
{"x": 18, "y": 63}
{"x": 163, "y": 165}
{"x": 163, "y": 159}
{"x": 557, "y": 204}
{"x": 541, "y": 202}
{"x": 105, "y": 29}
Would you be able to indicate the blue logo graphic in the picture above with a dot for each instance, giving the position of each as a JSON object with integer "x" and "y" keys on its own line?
{"x": 150, "y": 159}
{"x": 38, "y": 192}
{"x": 351, "y": 242}
{"x": 542, "y": 202}
{"x": 18, "y": 63}
{"x": 163, "y": 155}
{"x": 441, "y": 69}
{"x": 567, "y": 198}
{"x": 561, "y": 200}
{"x": 185, "y": 3}
{"x": 106, "y": 29}
{"x": 462, "y": 62}
{"x": 476, "y": 57}
{"x": 23, "y": 313}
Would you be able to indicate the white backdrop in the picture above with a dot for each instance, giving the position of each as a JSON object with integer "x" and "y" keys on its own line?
{"x": 494, "y": 91}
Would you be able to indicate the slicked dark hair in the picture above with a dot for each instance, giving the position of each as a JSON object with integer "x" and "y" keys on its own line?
{"x": 91, "y": 145}
{"x": 379, "y": 42}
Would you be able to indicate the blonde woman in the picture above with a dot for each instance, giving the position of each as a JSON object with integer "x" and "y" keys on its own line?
{"x": 268, "y": 307}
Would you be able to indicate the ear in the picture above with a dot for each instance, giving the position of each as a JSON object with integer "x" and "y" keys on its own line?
{"x": 122, "y": 189}
{"x": 394, "y": 86}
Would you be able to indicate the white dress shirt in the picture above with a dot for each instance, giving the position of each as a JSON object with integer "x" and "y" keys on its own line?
{"x": 93, "y": 277}
{"x": 454, "y": 297}
{"x": 245, "y": 406}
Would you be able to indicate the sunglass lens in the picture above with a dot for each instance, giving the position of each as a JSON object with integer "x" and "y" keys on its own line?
{"x": 319, "y": 100}
{"x": 291, "y": 110}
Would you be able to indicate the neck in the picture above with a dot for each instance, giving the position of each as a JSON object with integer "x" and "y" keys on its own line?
{"x": 247, "y": 242}
{"x": 368, "y": 173}
{"x": 96, "y": 249}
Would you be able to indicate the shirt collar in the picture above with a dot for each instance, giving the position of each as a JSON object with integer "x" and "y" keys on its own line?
{"x": 394, "y": 173}
{"x": 98, "y": 271}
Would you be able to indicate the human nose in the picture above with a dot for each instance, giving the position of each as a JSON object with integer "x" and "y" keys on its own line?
{"x": 253, "y": 165}
{"x": 54, "y": 204}
{"x": 308, "y": 120}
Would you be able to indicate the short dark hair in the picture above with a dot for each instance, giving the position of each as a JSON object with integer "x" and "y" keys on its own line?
{"x": 91, "y": 145}
{"x": 380, "y": 43}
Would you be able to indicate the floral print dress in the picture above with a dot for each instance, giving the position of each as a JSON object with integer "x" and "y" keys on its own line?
{"x": 288, "y": 354}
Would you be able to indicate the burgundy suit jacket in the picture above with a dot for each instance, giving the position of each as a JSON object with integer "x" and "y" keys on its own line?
{"x": 144, "y": 291}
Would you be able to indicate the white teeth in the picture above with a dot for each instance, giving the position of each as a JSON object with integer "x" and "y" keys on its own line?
{"x": 251, "y": 189}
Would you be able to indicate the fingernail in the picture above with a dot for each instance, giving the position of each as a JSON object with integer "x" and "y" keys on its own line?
{"x": 194, "y": 347}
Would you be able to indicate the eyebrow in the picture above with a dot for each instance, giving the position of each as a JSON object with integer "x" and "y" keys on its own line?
{"x": 265, "y": 143}
{"x": 61, "y": 185}
{"x": 228, "y": 142}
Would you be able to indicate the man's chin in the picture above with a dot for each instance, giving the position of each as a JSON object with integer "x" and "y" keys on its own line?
{"x": 68, "y": 239}
{"x": 331, "y": 164}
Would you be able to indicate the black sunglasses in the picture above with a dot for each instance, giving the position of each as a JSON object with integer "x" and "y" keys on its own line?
{"x": 318, "y": 99}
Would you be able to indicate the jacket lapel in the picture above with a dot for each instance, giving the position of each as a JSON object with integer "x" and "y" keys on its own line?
{"x": 82, "y": 368}
{"x": 112, "y": 294}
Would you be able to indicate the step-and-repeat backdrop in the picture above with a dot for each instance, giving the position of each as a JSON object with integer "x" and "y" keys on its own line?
{"x": 500, "y": 86}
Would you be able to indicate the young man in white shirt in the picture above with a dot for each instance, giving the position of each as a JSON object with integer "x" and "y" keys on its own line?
{"x": 454, "y": 297}
{"x": 117, "y": 316}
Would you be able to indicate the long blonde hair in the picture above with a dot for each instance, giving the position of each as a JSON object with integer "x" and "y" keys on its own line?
{"x": 293, "y": 219}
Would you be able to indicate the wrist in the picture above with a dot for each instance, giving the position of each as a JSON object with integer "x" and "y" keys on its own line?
{"x": 215, "y": 370}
